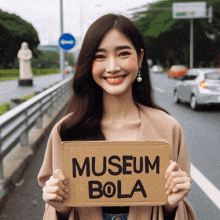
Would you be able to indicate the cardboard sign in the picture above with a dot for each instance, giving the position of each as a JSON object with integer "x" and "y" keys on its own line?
{"x": 116, "y": 173}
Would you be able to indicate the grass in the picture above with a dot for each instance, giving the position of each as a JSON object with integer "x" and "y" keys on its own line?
{"x": 27, "y": 97}
{"x": 4, "y": 108}
{"x": 14, "y": 73}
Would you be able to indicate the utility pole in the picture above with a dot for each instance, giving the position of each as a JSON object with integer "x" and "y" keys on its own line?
{"x": 191, "y": 44}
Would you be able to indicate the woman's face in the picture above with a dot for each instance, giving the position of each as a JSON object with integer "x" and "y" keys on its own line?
{"x": 115, "y": 65}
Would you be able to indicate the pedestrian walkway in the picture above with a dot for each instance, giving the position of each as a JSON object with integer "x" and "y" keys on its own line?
{"x": 24, "y": 200}
{"x": 11, "y": 90}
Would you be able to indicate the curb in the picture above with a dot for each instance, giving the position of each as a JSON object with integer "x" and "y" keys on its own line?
{"x": 10, "y": 183}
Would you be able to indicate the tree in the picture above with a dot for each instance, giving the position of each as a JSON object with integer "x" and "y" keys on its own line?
{"x": 50, "y": 59}
{"x": 14, "y": 31}
{"x": 168, "y": 39}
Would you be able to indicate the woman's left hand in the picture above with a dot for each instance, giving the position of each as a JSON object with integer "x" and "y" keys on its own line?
{"x": 178, "y": 185}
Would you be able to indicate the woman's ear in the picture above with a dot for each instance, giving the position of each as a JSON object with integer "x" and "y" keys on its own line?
{"x": 140, "y": 59}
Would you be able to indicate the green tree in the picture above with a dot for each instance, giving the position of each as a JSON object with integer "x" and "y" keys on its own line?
{"x": 46, "y": 60}
{"x": 70, "y": 58}
{"x": 50, "y": 60}
{"x": 14, "y": 31}
{"x": 168, "y": 39}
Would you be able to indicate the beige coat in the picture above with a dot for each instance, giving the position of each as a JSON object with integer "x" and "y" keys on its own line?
{"x": 155, "y": 125}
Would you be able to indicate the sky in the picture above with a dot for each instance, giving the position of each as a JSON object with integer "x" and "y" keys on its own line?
{"x": 78, "y": 15}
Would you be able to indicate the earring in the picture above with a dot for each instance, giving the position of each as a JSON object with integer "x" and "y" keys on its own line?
{"x": 139, "y": 78}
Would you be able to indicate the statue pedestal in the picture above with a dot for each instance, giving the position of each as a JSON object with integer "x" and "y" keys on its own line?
{"x": 25, "y": 82}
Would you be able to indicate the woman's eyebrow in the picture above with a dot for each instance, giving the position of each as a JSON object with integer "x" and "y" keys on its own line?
{"x": 116, "y": 49}
{"x": 123, "y": 47}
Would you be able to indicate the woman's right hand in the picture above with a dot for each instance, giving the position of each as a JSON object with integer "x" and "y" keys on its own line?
{"x": 55, "y": 192}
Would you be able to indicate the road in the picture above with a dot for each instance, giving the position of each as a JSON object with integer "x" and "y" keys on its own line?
{"x": 11, "y": 90}
{"x": 202, "y": 132}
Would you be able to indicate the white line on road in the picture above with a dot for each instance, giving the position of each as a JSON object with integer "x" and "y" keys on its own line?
{"x": 207, "y": 187}
{"x": 158, "y": 89}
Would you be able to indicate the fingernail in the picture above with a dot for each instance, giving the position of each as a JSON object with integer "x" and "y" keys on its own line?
{"x": 166, "y": 176}
{"x": 166, "y": 186}
{"x": 66, "y": 191}
{"x": 65, "y": 182}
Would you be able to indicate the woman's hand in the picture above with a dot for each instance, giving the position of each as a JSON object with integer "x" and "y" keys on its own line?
{"x": 178, "y": 185}
{"x": 55, "y": 192}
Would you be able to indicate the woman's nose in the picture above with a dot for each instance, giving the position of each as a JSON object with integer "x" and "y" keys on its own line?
{"x": 112, "y": 66}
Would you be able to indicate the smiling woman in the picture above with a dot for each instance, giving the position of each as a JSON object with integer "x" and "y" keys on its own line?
{"x": 112, "y": 101}
{"x": 116, "y": 63}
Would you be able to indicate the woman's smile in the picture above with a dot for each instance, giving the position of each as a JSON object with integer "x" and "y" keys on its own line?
{"x": 115, "y": 80}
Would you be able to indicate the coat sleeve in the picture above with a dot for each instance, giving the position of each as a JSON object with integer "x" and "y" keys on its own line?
{"x": 52, "y": 161}
{"x": 184, "y": 210}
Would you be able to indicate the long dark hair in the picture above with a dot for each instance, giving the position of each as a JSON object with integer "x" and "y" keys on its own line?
{"x": 86, "y": 102}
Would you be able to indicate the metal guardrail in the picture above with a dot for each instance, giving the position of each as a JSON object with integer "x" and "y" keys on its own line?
{"x": 16, "y": 123}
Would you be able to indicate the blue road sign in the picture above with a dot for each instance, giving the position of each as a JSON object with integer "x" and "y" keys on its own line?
{"x": 67, "y": 41}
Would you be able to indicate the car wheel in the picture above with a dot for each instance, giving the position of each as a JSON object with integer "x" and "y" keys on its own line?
{"x": 193, "y": 103}
{"x": 175, "y": 97}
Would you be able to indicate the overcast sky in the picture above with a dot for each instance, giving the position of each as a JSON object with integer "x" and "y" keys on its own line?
{"x": 44, "y": 15}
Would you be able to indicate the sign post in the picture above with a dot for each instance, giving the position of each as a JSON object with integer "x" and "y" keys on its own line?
{"x": 66, "y": 42}
{"x": 189, "y": 10}
{"x": 61, "y": 31}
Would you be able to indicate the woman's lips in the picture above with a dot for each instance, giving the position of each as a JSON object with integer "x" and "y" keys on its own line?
{"x": 114, "y": 80}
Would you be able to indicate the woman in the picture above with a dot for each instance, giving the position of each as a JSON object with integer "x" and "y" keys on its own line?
{"x": 112, "y": 101}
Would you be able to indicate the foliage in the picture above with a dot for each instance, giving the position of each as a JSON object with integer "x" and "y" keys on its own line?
{"x": 46, "y": 60}
{"x": 49, "y": 60}
{"x": 167, "y": 39}
{"x": 27, "y": 97}
{"x": 14, "y": 73}
{"x": 4, "y": 108}
{"x": 71, "y": 59}
{"x": 14, "y": 31}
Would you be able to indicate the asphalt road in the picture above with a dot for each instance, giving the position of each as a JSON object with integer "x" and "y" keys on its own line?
{"x": 202, "y": 132}
{"x": 11, "y": 90}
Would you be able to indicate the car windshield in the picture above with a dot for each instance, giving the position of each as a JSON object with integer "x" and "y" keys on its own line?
{"x": 179, "y": 67}
{"x": 212, "y": 76}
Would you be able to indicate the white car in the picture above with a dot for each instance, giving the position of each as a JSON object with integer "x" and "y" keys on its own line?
{"x": 199, "y": 86}
{"x": 157, "y": 69}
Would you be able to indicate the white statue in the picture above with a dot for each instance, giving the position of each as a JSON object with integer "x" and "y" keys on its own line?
{"x": 24, "y": 56}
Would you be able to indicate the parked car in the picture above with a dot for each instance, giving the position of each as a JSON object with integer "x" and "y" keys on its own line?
{"x": 199, "y": 86}
{"x": 67, "y": 69}
{"x": 177, "y": 71}
{"x": 157, "y": 69}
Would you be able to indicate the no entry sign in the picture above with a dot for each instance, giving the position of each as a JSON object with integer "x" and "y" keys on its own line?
{"x": 67, "y": 41}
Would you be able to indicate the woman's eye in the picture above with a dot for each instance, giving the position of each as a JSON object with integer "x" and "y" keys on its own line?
{"x": 99, "y": 56}
{"x": 124, "y": 53}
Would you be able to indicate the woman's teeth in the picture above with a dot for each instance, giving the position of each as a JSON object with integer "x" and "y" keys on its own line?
{"x": 114, "y": 79}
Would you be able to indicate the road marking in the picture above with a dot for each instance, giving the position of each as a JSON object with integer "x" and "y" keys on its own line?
{"x": 158, "y": 89}
{"x": 207, "y": 187}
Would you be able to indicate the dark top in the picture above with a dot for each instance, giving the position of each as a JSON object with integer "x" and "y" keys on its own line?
{"x": 115, "y": 210}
